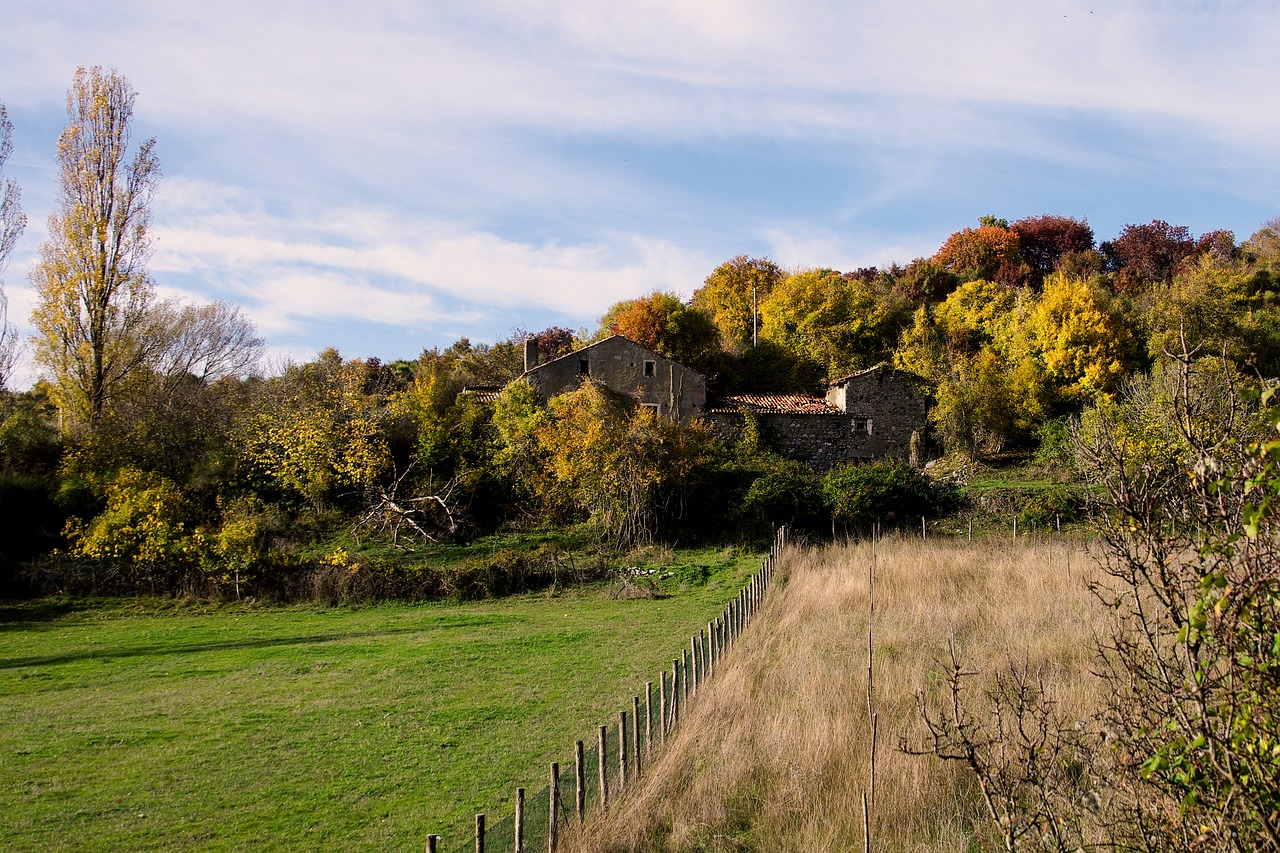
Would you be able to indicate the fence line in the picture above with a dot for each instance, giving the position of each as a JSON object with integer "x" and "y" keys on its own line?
{"x": 531, "y": 828}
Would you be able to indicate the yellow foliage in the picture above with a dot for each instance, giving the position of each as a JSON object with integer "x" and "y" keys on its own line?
{"x": 1079, "y": 338}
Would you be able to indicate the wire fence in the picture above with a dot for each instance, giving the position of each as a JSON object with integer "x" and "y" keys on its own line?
{"x": 617, "y": 753}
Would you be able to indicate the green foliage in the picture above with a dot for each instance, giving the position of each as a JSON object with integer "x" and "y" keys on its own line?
{"x": 29, "y": 439}
{"x": 619, "y": 464}
{"x": 316, "y": 432}
{"x": 844, "y": 324}
{"x": 147, "y": 520}
{"x": 729, "y": 295}
{"x": 890, "y": 492}
{"x": 791, "y": 496}
{"x": 1193, "y": 658}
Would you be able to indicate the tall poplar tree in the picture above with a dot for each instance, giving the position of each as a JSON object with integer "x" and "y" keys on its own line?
{"x": 12, "y": 223}
{"x": 93, "y": 319}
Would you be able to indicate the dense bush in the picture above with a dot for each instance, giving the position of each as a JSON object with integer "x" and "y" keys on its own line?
{"x": 890, "y": 492}
{"x": 789, "y": 496}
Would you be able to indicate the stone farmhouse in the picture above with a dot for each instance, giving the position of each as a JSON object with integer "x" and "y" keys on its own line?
{"x": 873, "y": 414}
{"x": 657, "y": 382}
{"x": 876, "y": 413}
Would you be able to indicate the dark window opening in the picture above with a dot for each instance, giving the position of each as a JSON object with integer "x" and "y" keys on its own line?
{"x": 584, "y": 367}
{"x": 649, "y": 367}
{"x": 862, "y": 426}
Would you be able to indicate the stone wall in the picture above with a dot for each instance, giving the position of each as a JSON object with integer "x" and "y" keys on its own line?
{"x": 879, "y": 411}
{"x": 891, "y": 403}
{"x": 628, "y": 368}
{"x": 822, "y": 441}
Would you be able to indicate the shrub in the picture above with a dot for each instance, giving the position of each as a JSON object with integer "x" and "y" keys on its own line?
{"x": 888, "y": 491}
{"x": 790, "y": 496}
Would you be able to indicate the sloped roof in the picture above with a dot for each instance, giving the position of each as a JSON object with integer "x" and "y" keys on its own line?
{"x": 884, "y": 365}
{"x": 485, "y": 394}
{"x": 774, "y": 404}
{"x": 602, "y": 343}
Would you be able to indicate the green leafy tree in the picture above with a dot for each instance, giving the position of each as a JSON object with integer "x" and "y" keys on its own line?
{"x": 664, "y": 324}
{"x": 841, "y": 323}
{"x": 889, "y": 491}
{"x": 619, "y": 464}
{"x": 317, "y": 431}
{"x": 729, "y": 295}
{"x": 1192, "y": 660}
{"x": 94, "y": 325}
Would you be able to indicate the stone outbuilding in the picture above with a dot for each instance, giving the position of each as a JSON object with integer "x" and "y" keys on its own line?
{"x": 876, "y": 413}
{"x": 655, "y": 381}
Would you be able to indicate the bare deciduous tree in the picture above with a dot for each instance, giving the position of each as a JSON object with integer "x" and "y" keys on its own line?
{"x": 12, "y": 223}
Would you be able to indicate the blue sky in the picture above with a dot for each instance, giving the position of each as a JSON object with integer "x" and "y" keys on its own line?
{"x": 388, "y": 176}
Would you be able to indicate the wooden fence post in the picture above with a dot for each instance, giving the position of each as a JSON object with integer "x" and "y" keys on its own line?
{"x": 479, "y": 833}
{"x": 693, "y": 659}
{"x": 603, "y": 764}
{"x": 519, "y": 848}
{"x": 712, "y": 636}
{"x": 648, "y": 718}
{"x": 635, "y": 730}
{"x": 622, "y": 751}
{"x": 432, "y": 842}
{"x": 675, "y": 692}
{"x": 662, "y": 707}
{"x": 553, "y": 812}
{"x": 580, "y": 784}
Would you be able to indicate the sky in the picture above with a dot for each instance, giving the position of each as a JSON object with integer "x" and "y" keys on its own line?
{"x": 385, "y": 177}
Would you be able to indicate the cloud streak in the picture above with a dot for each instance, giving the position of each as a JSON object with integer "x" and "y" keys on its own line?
{"x": 469, "y": 167}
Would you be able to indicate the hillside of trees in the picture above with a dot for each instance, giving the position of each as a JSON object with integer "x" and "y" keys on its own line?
{"x": 154, "y": 455}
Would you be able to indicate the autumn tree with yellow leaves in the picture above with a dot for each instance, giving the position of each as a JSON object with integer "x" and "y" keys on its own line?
{"x": 95, "y": 328}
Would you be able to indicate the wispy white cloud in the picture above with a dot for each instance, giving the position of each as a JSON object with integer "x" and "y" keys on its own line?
{"x": 371, "y": 265}
{"x": 441, "y": 166}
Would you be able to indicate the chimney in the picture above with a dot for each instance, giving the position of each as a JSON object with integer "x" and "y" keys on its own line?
{"x": 530, "y": 353}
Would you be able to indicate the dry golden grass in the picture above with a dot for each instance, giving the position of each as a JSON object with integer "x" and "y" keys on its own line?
{"x": 775, "y": 753}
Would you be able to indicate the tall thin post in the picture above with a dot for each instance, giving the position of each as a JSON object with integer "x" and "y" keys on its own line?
{"x": 635, "y": 729}
{"x": 648, "y": 718}
{"x": 519, "y": 820}
{"x": 675, "y": 691}
{"x": 662, "y": 707}
{"x": 479, "y": 833}
{"x": 432, "y": 842}
{"x": 622, "y": 750}
{"x": 553, "y": 814}
{"x": 580, "y": 784}
{"x": 693, "y": 661}
{"x": 603, "y": 764}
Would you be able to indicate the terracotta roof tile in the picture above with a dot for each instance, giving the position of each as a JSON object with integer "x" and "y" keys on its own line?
{"x": 775, "y": 404}
{"x": 488, "y": 394}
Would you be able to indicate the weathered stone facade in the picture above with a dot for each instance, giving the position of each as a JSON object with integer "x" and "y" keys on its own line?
{"x": 869, "y": 415}
{"x": 626, "y": 367}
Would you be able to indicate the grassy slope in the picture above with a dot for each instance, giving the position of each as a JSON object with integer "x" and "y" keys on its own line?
{"x": 775, "y": 754}
{"x": 154, "y": 726}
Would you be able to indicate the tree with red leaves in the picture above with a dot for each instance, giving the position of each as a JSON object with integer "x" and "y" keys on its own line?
{"x": 1144, "y": 255}
{"x": 1045, "y": 239}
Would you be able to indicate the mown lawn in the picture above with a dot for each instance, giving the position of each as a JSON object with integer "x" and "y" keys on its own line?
{"x": 147, "y": 725}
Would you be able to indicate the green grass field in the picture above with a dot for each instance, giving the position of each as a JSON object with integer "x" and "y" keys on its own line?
{"x": 149, "y": 725}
